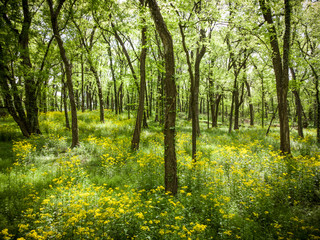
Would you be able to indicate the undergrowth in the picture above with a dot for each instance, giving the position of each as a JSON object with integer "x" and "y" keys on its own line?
{"x": 240, "y": 186}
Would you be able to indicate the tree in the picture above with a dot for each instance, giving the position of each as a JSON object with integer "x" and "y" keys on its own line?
{"x": 281, "y": 68}
{"x": 54, "y": 13}
{"x": 88, "y": 45}
{"x": 26, "y": 119}
{"x": 171, "y": 179}
{"x": 194, "y": 74}
{"x": 137, "y": 130}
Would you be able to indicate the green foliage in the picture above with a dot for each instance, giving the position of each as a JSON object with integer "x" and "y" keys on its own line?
{"x": 238, "y": 187}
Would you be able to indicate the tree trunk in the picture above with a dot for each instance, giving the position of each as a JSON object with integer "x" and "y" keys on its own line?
{"x": 82, "y": 85}
{"x": 64, "y": 97}
{"x": 68, "y": 68}
{"x": 195, "y": 84}
{"x": 14, "y": 105}
{"x": 298, "y": 104}
{"x": 137, "y": 130}
{"x": 281, "y": 69}
{"x": 231, "y": 113}
{"x": 216, "y": 110}
{"x": 236, "y": 107}
{"x": 30, "y": 83}
{"x": 171, "y": 179}
{"x": 113, "y": 78}
{"x": 250, "y": 103}
{"x": 100, "y": 96}
{"x": 120, "y": 98}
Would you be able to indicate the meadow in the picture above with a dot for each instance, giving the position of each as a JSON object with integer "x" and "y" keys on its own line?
{"x": 240, "y": 187}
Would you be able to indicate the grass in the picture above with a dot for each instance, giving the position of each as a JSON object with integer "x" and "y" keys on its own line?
{"x": 239, "y": 188}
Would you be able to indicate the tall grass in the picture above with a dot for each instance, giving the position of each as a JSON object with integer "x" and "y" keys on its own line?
{"x": 240, "y": 187}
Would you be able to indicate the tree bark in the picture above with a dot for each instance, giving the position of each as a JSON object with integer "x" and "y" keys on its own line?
{"x": 14, "y": 105}
{"x": 140, "y": 113}
{"x": 171, "y": 178}
{"x": 30, "y": 83}
{"x": 100, "y": 95}
{"x": 64, "y": 97}
{"x": 281, "y": 69}
{"x": 216, "y": 110}
{"x": 298, "y": 104}
{"x": 68, "y": 68}
{"x": 82, "y": 85}
{"x": 30, "y": 117}
{"x": 250, "y": 103}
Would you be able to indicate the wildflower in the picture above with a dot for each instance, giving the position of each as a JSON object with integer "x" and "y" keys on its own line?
{"x": 145, "y": 228}
{"x": 139, "y": 215}
{"x": 199, "y": 227}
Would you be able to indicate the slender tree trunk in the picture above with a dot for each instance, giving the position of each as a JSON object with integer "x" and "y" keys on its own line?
{"x": 137, "y": 130}
{"x": 120, "y": 97}
{"x": 318, "y": 110}
{"x": 68, "y": 68}
{"x": 64, "y": 98}
{"x": 250, "y": 103}
{"x": 171, "y": 179}
{"x": 82, "y": 85}
{"x": 128, "y": 103}
{"x": 113, "y": 78}
{"x": 236, "y": 107}
{"x": 150, "y": 97}
{"x": 216, "y": 110}
{"x": 231, "y": 113}
{"x": 298, "y": 104}
{"x": 100, "y": 95}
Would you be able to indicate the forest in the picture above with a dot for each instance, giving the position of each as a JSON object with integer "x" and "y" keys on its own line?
{"x": 159, "y": 119}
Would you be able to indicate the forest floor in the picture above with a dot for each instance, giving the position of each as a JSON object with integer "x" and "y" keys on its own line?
{"x": 239, "y": 188}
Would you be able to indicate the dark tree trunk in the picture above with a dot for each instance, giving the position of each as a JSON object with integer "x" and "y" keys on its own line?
{"x": 128, "y": 103}
{"x": 250, "y": 104}
{"x": 231, "y": 113}
{"x": 44, "y": 97}
{"x": 88, "y": 97}
{"x": 100, "y": 96}
{"x": 195, "y": 84}
{"x": 150, "y": 98}
{"x": 298, "y": 104}
{"x": 14, "y": 105}
{"x": 113, "y": 78}
{"x": 30, "y": 83}
{"x": 137, "y": 130}
{"x": 28, "y": 122}
{"x": 236, "y": 107}
{"x": 64, "y": 97}
{"x": 82, "y": 85}
{"x": 171, "y": 179}
{"x": 281, "y": 69}
{"x": 299, "y": 112}
{"x": 158, "y": 97}
{"x": 120, "y": 98}
{"x": 216, "y": 110}
{"x": 238, "y": 103}
{"x": 68, "y": 68}
{"x": 318, "y": 110}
